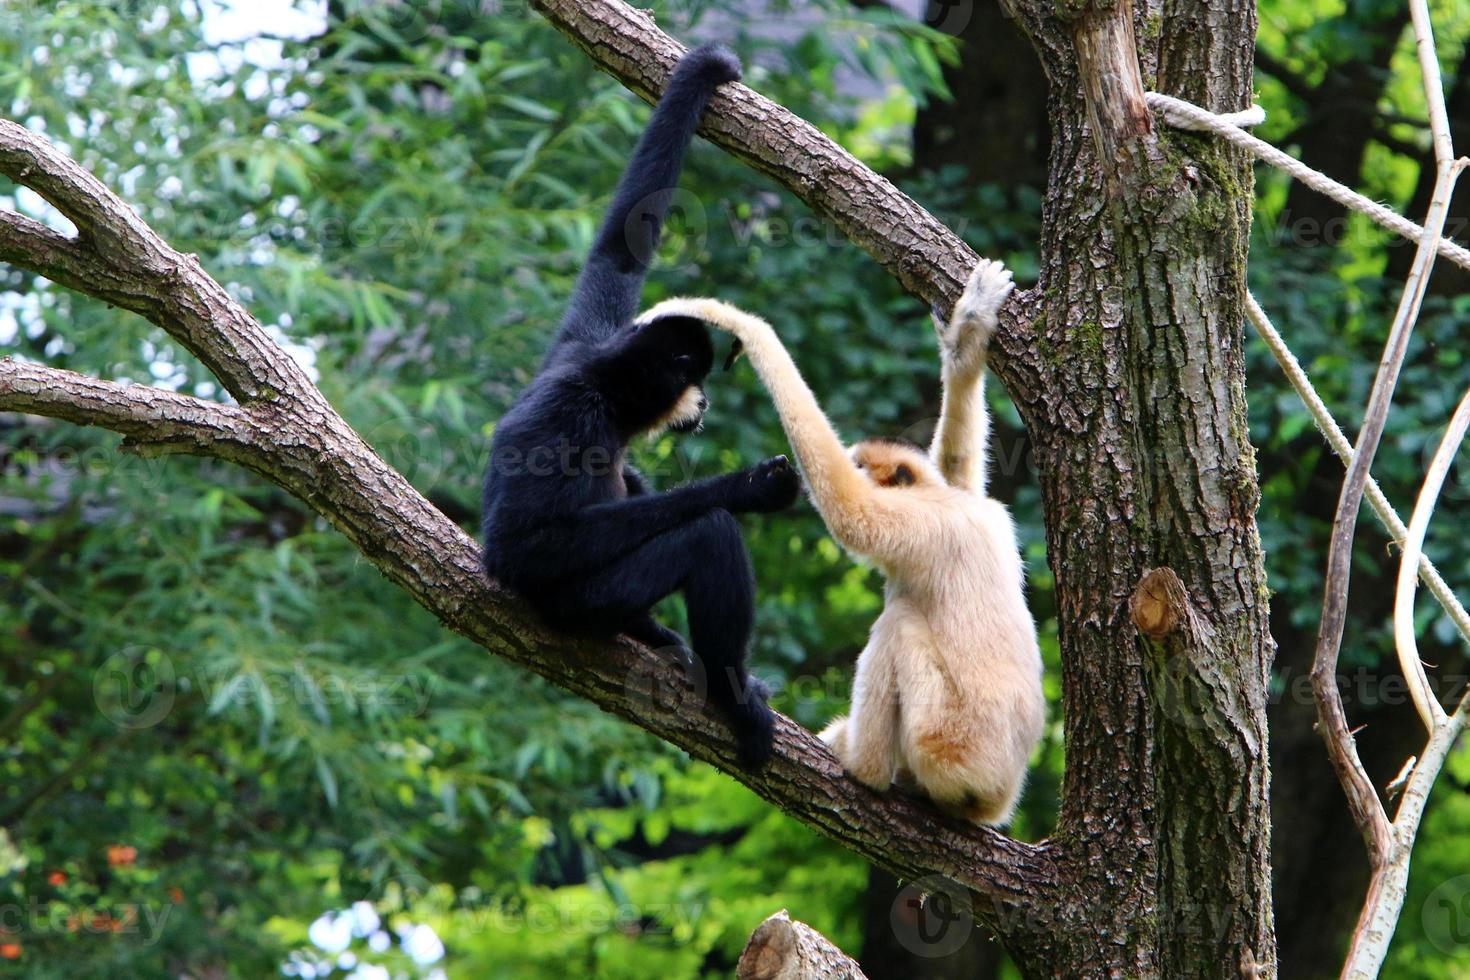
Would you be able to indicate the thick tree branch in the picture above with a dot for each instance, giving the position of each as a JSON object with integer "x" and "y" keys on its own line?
{"x": 117, "y": 258}
{"x": 928, "y": 259}
{"x": 151, "y": 418}
{"x": 286, "y": 431}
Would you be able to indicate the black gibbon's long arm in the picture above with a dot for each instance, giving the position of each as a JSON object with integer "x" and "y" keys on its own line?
{"x": 606, "y": 295}
{"x": 595, "y": 536}
{"x": 848, "y": 501}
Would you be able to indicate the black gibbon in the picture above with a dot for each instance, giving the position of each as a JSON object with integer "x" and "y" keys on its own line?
{"x": 568, "y": 523}
{"x": 947, "y": 695}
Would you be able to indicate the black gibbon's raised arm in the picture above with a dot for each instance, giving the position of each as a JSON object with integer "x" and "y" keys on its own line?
{"x": 568, "y": 524}
{"x": 947, "y": 695}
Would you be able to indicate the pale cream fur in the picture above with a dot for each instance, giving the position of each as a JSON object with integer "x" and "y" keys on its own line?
{"x": 948, "y": 690}
{"x": 689, "y": 408}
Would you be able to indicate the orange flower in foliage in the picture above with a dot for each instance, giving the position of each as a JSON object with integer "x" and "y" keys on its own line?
{"x": 9, "y": 951}
{"x": 121, "y": 855}
{"x": 56, "y": 878}
{"x": 176, "y": 895}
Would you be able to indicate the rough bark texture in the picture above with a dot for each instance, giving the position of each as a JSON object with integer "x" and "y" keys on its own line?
{"x": 1142, "y": 447}
{"x": 1129, "y": 379}
{"x": 783, "y": 949}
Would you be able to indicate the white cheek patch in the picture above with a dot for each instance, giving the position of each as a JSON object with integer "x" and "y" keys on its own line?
{"x": 689, "y": 408}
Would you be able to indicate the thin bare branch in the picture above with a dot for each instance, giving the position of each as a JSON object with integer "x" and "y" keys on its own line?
{"x": 1363, "y": 799}
{"x": 1428, "y": 707}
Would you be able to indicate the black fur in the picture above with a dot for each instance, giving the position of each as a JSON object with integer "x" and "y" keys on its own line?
{"x": 568, "y": 524}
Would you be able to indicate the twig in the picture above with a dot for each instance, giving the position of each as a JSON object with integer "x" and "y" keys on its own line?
{"x": 1386, "y": 889}
{"x": 1362, "y": 798}
{"x": 1425, "y": 703}
{"x": 1330, "y": 430}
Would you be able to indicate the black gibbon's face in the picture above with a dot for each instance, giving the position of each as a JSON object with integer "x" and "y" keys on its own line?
{"x": 687, "y": 415}
{"x": 670, "y": 359}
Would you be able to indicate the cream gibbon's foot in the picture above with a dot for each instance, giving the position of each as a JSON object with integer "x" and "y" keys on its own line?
{"x": 875, "y": 772}
{"x": 964, "y": 339}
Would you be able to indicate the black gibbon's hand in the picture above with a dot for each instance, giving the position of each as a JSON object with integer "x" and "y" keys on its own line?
{"x": 766, "y": 487}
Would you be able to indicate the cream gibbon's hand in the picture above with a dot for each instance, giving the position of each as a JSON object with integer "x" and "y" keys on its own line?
{"x": 964, "y": 341}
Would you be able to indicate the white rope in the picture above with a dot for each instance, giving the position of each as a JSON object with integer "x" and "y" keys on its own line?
{"x": 1186, "y": 115}
{"x": 1335, "y": 437}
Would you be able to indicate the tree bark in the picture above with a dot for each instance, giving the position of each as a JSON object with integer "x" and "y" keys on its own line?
{"x": 1126, "y": 365}
{"x": 1142, "y": 446}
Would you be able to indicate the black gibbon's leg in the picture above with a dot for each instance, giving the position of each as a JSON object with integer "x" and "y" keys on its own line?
{"x": 582, "y": 543}
{"x": 651, "y": 633}
{"x": 706, "y": 560}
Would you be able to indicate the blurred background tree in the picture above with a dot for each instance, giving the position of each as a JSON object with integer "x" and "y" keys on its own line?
{"x": 228, "y": 747}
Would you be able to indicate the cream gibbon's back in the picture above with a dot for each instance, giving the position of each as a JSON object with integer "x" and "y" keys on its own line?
{"x": 947, "y": 697}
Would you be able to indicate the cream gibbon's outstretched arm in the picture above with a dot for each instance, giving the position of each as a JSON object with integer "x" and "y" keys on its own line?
{"x": 860, "y": 514}
{"x": 961, "y": 441}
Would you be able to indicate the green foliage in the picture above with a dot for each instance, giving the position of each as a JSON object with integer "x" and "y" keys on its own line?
{"x": 198, "y": 669}
{"x": 217, "y": 722}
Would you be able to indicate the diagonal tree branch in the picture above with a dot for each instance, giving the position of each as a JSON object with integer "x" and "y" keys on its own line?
{"x": 286, "y": 431}
{"x": 927, "y": 259}
{"x": 117, "y": 258}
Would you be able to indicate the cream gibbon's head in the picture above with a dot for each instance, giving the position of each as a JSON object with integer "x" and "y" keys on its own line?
{"x": 655, "y": 378}
{"x": 894, "y": 463}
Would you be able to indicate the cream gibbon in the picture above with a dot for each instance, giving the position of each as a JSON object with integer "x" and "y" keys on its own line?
{"x": 947, "y": 696}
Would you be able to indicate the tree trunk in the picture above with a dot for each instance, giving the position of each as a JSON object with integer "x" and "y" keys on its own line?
{"x": 1126, "y": 363}
{"x": 1140, "y": 428}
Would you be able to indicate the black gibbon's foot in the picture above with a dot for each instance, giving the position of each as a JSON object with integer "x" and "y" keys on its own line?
{"x": 714, "y": 62}
{"x": 755, "y": 728}
{"x": 651, "y": 633}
